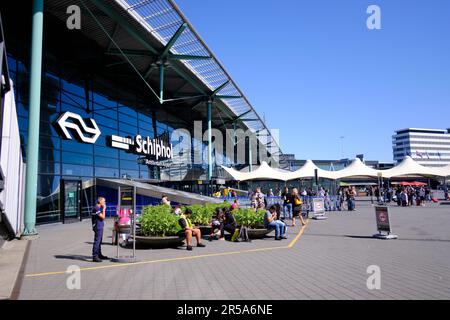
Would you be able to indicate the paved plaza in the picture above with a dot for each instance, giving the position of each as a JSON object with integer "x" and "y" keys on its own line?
{"x": 326, "y": 260}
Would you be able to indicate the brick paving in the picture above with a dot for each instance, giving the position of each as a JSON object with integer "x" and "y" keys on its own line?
{"x": 329, "y": 261}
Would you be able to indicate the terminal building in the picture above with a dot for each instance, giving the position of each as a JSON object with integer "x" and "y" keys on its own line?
{"x": 126, "y": 95}
{"x": 429, "y": 147}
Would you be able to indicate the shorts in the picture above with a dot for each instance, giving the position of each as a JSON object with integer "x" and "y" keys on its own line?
{"x": 297, "y": 211}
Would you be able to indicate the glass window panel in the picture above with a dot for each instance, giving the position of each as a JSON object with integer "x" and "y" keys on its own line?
{"x": 106, "y": 152}
{"x": 48, "y": 128}
{"x": 47, "y": 209}
{"x": 77, "y": 158}
{"x": 106, "y": 172}
{"x": 79, "y": 101}
{"x": 77, "y": 170}
{"x": 107, "y": 162}
{"x": 49, "y": 142}
{"x": 129, "y": 173}
{"x": 128, "y": 127}
{"x": 72, "y": 88}
{"x": 75, "y": 109}
{"x": 75, "y": 146}
{"x": 128, "y": 111}
{"x": 128, "y": 120}
{"x": 23, "y": 123}
{"x": 125, "y": 164}
{"x": 49, "y": 167}
{"x": 128, "y": 156}
{"x": 49, "y": 115}
{"x": 49, "y": 155}
{"x": 103, "y": 121}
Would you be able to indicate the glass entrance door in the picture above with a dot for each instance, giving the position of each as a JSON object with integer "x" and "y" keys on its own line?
{"x": 71, "y": 201}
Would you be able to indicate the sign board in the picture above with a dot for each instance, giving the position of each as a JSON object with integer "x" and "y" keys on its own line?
{"x": 318, "y": 205}
{"x": 382, "y": 218}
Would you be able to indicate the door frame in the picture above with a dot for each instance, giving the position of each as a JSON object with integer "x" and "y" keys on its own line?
{"x": 63, "y": 198}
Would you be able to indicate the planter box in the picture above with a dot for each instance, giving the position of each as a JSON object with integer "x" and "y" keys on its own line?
{"x": 206, "y": 230}
{"x": 258, "y": 233}
{"x": 159, "y": 242}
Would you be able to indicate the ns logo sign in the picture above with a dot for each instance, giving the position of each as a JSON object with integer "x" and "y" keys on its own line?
{"x": 83, "y": 130}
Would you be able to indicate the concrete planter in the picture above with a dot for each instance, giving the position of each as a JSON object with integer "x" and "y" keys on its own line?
{"x": 258, "y": 233}
{"x": 159, "y": 242}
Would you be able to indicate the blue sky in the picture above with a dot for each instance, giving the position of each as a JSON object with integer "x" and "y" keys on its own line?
{"x": 315, "y": 71}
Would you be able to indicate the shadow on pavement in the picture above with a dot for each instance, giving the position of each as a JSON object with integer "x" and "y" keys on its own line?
{"x": 74, "y": 257}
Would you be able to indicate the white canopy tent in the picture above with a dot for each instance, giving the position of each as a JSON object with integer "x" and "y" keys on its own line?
{"x": 263, "y": 172}
{"x": 410, "y": 168}
{"x": 308, "y": 171}
{"x": 357, "y": 169}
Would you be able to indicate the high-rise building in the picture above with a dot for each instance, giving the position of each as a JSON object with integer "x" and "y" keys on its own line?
{"x": 429, "y": 147}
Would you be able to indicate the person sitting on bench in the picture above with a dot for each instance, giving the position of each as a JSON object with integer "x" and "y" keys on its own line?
{"x": 217, "y": 225}
{"x": 229, "y": 223}
{"x": 189, "y": 230}
{"x": 270, "y": 222}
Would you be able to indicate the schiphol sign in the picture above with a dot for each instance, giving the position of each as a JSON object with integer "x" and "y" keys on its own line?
{"x": 154, "y": 148}
{"x": 243, "y": 146}
{"x": 87, "y": 131}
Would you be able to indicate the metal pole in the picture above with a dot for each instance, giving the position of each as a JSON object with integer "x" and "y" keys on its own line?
{"x": 134, "y": 222}
{"x": 119, "y": 205}
{"x": 210, "y": 164}
{"x": 33, "y": 119}
{"x": 250, "y": 155}
{"x": 161, "y": 82}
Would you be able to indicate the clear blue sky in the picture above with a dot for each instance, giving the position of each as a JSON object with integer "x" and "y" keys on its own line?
{"x": 317, "y": 73}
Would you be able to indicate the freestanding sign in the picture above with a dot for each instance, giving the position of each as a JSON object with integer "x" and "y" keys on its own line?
{"x": 318, "y": 208}
{"x": 127, "y": 212}
{"x": 383, "y": 223}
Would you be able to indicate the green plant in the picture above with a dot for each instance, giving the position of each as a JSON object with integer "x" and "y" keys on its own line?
{"x": 201, "y": 215}
{"x": 158, "y": 221}
{"x": 249, "y": 218}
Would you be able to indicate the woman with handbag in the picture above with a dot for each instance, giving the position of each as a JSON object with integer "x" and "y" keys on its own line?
{"x": 297, "y": 207}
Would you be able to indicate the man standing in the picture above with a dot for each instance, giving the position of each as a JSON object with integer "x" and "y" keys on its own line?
{"x": 287, "y": 203}
{"x": 98, "y": 222}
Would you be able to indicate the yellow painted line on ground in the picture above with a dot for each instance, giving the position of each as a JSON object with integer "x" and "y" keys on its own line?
{"x": 109, "y": 266}
{"x": 293, "y": 242}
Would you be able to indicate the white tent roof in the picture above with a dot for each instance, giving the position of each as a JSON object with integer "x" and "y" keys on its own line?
{"x": 445, "y": 171}
{"x": 264, "y": 172}
{"x": 409, "y": 167}
{"x": 307, "y": 171}
{"x": 356, "y": 169}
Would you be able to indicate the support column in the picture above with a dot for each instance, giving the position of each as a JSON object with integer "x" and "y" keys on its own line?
{"x": 161, "y": 82}
{"x": 33, "y": 119}
{"x": 210, "y": 164}
{"x": 250, "y": 155}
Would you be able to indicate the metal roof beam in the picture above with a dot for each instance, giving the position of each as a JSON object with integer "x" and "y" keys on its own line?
{"x": 219, "y": 88}
{"x": 188, "y": 57}
{"x": 103, "y": 6}
{"x": 228, "y": 97}
{"x": 173, "y": 39}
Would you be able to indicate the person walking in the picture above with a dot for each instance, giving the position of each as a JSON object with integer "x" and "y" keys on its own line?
{"x": 297, "y": 206}
{"x": 98, "y": 222}
{"x": 287, "y": 203}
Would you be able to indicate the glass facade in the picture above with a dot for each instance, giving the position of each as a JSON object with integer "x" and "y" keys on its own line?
{"x": 71, "y": 160}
